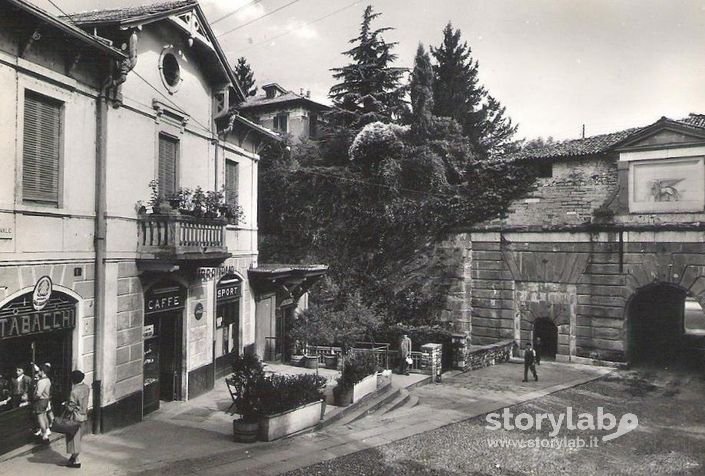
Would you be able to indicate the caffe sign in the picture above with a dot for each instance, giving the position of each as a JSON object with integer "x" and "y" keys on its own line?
{"x": 163, "y": 300}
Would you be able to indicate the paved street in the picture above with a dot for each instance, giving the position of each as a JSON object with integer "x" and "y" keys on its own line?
{"x": 669, "y": 439}
{"x": 198, "y": 440}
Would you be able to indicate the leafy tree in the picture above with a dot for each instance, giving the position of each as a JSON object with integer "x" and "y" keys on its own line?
{"x": 245, "y": 76}
{"x": 459, "y": 94}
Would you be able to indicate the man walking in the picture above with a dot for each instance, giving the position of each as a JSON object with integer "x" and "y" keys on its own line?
{"x": 529, "y": 362}
{"x": 404, "y": 353}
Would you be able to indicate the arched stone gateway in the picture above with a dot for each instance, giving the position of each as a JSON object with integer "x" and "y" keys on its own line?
{"x": 666, "y": 327}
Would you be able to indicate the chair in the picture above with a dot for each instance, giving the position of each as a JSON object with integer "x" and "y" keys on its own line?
{"x": 232, "y": 390}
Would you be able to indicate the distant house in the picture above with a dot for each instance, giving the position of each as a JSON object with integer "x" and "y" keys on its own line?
{"x": 604, "y": 260}
{"x": 285, "y": 112}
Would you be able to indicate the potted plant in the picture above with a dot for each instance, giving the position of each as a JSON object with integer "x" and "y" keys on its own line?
{"x": 289, "y": 403}
{"x": 248, "y": 372}
{"x": 356, "y": 369}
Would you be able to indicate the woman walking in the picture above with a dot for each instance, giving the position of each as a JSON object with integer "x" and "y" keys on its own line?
{"x": 78, "y": 405}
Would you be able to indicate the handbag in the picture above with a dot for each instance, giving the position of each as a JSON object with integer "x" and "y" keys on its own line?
{"x": 66, "y": 424}
{"x": 409, "y": 360}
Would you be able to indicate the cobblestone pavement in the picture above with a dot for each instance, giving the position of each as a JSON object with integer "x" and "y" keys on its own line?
{"x": 669, "y": 439}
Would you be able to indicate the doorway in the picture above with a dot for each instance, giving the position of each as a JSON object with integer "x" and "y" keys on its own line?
{"x": 546, "y": 338}
{"x": 162, "y": 359}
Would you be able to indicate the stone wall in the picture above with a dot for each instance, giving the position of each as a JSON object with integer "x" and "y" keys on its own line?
{"x": 474, "y": 357}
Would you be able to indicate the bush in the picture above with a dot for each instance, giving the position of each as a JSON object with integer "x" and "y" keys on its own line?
{"x": 355, "y": 368}
{"x": 280, "y": 393}
{"x": 248, "y": 371}
{"x": 259, "y": 394}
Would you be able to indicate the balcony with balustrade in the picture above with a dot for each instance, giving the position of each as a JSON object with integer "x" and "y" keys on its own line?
{"x": 175, "y": 239}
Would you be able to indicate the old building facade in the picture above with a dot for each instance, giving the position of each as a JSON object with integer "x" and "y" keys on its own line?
{"x": 286, "y": 112}
{"x": 95, "y": 273}
{"x": 605, "y": 260}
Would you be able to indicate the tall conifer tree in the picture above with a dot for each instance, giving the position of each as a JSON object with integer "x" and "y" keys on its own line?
{"x": 421, "y": 92}
{"x": 245, "y": 76}
{"x": 459, "y": 94}
{"x": 369, "y": 84}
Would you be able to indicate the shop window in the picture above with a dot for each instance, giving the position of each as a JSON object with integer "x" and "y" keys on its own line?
{"x": 281, "y": 122}
{"x": 693, "y": 317}
{"x": 41, "y": 153}
{"x": 168, "y": 161}
{"x": 231, "y": 182}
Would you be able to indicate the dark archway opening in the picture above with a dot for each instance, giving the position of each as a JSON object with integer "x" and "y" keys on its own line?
{"x": 546, "y": 338}
{"x": 658, "y": 335}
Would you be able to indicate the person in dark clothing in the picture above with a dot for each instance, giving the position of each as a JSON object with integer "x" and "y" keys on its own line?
{"x": 538, "y": 348}
{"x": 529, "y": 362}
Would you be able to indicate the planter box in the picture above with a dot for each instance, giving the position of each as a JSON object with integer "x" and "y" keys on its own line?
{"x": 282, "y": 424}
{"x": 364, "y": 387}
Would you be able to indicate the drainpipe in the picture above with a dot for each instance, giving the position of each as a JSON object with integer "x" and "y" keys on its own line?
{"x": 100, "y": 250}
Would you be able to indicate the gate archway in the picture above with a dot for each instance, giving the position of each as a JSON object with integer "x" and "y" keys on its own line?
{"x": 657, "y": 333}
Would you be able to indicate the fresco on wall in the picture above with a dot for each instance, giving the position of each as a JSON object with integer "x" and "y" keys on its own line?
{"x": 674, "y": 185}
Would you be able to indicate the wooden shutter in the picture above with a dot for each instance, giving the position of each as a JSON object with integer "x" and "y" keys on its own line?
{"x": 168, "y": 150}
{"x": 41, "y": 152}
{"x": 231, "y": 182}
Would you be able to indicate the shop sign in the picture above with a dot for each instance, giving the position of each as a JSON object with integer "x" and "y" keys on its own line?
{"x": 162, "y": 300}
{"x": 7, "y": 229}
{"x": 148, "y": 331}
{"x": 228, "y": 291}
{"x": 37, "y": 323}
{"x": 41, "y": 293}
{"x": 208, "y": 274}
{"x": 198, "y": 311}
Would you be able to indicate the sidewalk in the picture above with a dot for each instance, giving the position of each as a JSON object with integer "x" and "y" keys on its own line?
{"x": 195, "y": 437}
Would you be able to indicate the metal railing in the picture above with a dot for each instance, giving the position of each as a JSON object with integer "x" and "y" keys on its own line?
{"x": 180, "y": 234}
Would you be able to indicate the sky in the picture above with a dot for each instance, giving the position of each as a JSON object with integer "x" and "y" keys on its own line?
{"x": 554, "y": 64}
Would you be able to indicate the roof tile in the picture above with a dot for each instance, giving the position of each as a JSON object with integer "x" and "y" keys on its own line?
{"x": 117, "y": 15}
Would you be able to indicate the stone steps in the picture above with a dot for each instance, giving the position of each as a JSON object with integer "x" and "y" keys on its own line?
{"x": 358, "y": 410}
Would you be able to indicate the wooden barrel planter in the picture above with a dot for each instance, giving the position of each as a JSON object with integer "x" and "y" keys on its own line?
{"x": 311, "y": 361}
{"x": 331, "y": 361}
{"x": 245, "y": 431}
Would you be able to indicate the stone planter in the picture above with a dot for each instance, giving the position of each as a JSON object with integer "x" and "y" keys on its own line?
{"x": 297, "y": 360}
{"x": 245, "y": 431}
{"x": 273, "y": 427}
{"x": 364, "y": 387}
{"x": 351, "y": 395}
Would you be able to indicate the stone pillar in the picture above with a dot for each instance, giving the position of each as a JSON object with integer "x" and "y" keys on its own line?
{"x": 460, "y": 350}
{"x": 432, "y": 359}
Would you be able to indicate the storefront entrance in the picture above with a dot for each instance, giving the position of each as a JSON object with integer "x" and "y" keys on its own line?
{"x": 163, "y": 348}
{"x": 28, "y": 335}
{"x": 227, "y": 324}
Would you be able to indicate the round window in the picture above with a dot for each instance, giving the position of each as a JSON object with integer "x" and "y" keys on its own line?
{"x": 171, "y": 70}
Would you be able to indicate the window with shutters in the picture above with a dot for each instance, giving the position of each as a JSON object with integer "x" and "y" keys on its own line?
{"x": 41, "y": 153}
{"x": 281, "y": 122}
{"x": 231, "y": 180}
{"x": 168, "y": 158}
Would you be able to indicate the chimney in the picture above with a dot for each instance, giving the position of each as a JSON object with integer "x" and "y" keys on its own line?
{"x": 308, "y": 93}
{"x": 301, "y": 91}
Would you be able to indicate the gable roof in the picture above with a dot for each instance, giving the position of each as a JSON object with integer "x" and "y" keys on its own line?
{"x": 67, "y": 28}
{"x": 143, "y": 14}
{"x": 288, "y": 97}
{"x": 604, "y": 143}
{"x": 127, "y": 15}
